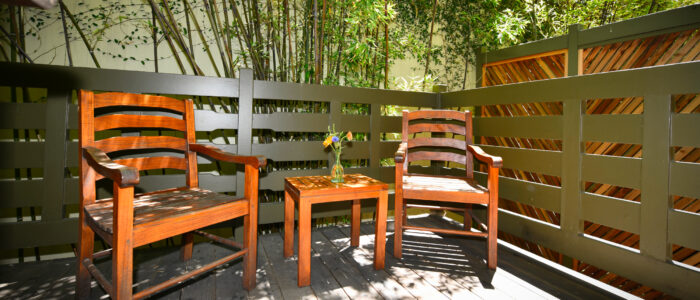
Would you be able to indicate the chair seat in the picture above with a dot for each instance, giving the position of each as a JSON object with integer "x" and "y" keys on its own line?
{"x": 444, "y": 188}
{"x": 167, "y": 213}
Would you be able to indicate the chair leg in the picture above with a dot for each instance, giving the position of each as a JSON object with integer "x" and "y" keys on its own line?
{"x": 492, "y": 239}
{"x": 250, "y": 259}
{"x": 187, "y": 244}
{"x": 467, "y": 217}
{"x": 86, "y": 246}
{"x": 399, "y": 219}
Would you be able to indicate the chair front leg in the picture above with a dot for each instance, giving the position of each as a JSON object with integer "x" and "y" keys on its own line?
{"x": 492, "y": 239}
{"x": 122, "y": 242}
{"x": 86, "y": 245}
{"x": 250, "y": 226}
{"x": 399, "y": 210}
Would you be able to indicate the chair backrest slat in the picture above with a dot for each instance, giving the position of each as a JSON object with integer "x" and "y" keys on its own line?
{"x": 437, "y": 142}
{"x": 442, "y": 156}
{"x": 455, "y": 133}
{"x": 152, "y": 163}
{"x": 124, "y": 99}
{"x": 140, "y": 142}
{"x": 451, "y": 128}
{"x": 138, "y": 121}
{"x": 133, "y": 112}
{"x": 437, "y": 114}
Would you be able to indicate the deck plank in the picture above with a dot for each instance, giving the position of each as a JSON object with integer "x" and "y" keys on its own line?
{"x": 285, "y": 269}
{"x": 265, "y": 287}
{"x": 401, "y": 273}
{"x": 382, "y": 281}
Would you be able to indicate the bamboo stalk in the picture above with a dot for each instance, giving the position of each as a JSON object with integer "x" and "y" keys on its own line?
{"x": 168, "y": 39}
{"x": 66, "y": 36}
{"x": 175, "y": 31}
{"x": 82, "y": 35}
{"x": 188, "y": 9}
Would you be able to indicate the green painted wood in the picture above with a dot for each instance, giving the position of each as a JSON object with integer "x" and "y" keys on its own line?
{"x": 572, "y": 40}
{"x": 674, "y": 79}
{"x": 308, "y": 150}
{"x": 684, "y": 228}
{"x": 610, "y": 211}
{"x": 656, "y": 200}
{"x": 55, "y": 155}
{"x": 207, "y": 120}
{"x": 388, "y": 149}
{"x": 527, "y": 49}
{"x": 626, "y": 129}
{"x": 620, "y": 171}
{"x": 314, "y": 92}
{"x": 22, "y": 115}
{"x": 538, "y": 161}
{"x": 650, "y": 25}
{"x": 684, "y": 179}
{"x": 391, "y": 124}
{"x": 244, "y": 140}
{"x": 15, "y": 74}
{"x": 544, "y": 127}
{"x": 21, "y": 155}
{"x": 571, "y": 172}
{"x": 375, "y": 144}
{"x": 356, "y": 123}
{"x": 536, "y": 194}
{"x": 685, "y": 130}
{"x": 21, "y": 193}
{"x": 43, "y": 233}
{"x": 285, "y": 122}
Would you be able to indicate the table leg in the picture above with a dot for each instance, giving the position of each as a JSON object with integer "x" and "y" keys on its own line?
{"x": 355, "y": 223}
{"x": 380, "y": 231}
{"x": 288, "y": 224}
{"x": 304, "y": 263}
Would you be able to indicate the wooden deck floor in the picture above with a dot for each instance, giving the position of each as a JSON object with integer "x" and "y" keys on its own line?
{"x": 434, "y": 267}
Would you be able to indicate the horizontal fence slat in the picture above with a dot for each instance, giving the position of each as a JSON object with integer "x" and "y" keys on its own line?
{"x": 528, "y": 49}
{"x": 617, "y": 128}
{"x": 531, "y": 193}
{"x": 544, "y": 127}
{"x": 21, "y": 193}
{"x": 391, "y": 124}
{"x": 388, "y": 149}
{"x": 21, "y": 155}
{"x": 308, "y": 150}
{"x": 22, "y": 115}
{"x": 538, "y": 161}
{"x": 48, "y": 76}
{"x": 207, "y": 120}
{"x": 609, "y": 211}
{"x": 619, "y": 171}
{"x": 685, "y": 178}
{"x": 684, "y": 228}
{"x": 680, "y": 78}
{"x": 296, "y": 122}
{"x": 15, "y": 235}
{"x": 316, "y": 92}
{"x": 354, "y": 123}
{"x": 685, "y": 130}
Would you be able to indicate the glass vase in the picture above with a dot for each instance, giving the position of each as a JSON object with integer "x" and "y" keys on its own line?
{"x": 337, "y": 170}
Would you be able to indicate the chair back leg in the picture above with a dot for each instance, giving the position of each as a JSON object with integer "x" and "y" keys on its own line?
{"x": 187, "y": 244}
{"x": 399, "y": 219}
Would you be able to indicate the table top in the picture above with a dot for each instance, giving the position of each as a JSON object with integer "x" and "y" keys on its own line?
{"x": 318, "y": 185}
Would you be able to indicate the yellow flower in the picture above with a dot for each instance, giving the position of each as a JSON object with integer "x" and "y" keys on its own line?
{"x": 349, "y": 135}
{"x": 328, "y": 141}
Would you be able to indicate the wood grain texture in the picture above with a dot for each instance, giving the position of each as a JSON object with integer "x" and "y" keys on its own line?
{"x": 437, "y": 142}
{"x": 216, "y": 153}
{"x": 451, "y": 128}
{"x": 308, "y": 190}
{"x": 140, "y": 142}
{"x": 439, "y": 156}
{"x": 99, "y": 161}
{"x": 437, "y": 114}
{"x": 124, "y": 99}
{"x": 138, "y": 121}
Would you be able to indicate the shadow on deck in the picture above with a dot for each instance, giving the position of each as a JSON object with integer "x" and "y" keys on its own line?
{"x": 433, "y": 267}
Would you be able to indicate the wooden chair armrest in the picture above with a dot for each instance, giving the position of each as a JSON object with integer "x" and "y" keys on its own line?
{"x": 492, "y": 161}
{"x": 216, "y": 153}
{"x": 400, "y": 155}
{"x": 122, "y": 175}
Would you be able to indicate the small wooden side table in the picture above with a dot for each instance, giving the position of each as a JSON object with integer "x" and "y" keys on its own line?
{"x": 308, "y": 190}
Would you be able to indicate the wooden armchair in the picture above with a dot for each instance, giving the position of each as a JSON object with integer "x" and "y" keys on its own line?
{"x": 462, "y": 190}
{"x": 130, "y": 220}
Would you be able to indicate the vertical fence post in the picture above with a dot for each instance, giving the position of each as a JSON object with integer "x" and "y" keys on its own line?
{"x": 335, "y": 115}
{"x": 55, "y": 148}
{"x": 655, "y": 177}
{"x": 244, "y": 142}
{"x": 375, "y": 135}
{"x": 571, "y": 182}
{"x": 574, "y": 56}
{"x": 479, "y": 68}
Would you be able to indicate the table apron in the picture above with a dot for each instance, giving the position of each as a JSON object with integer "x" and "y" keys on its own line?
{"x": 342, "y": 196}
